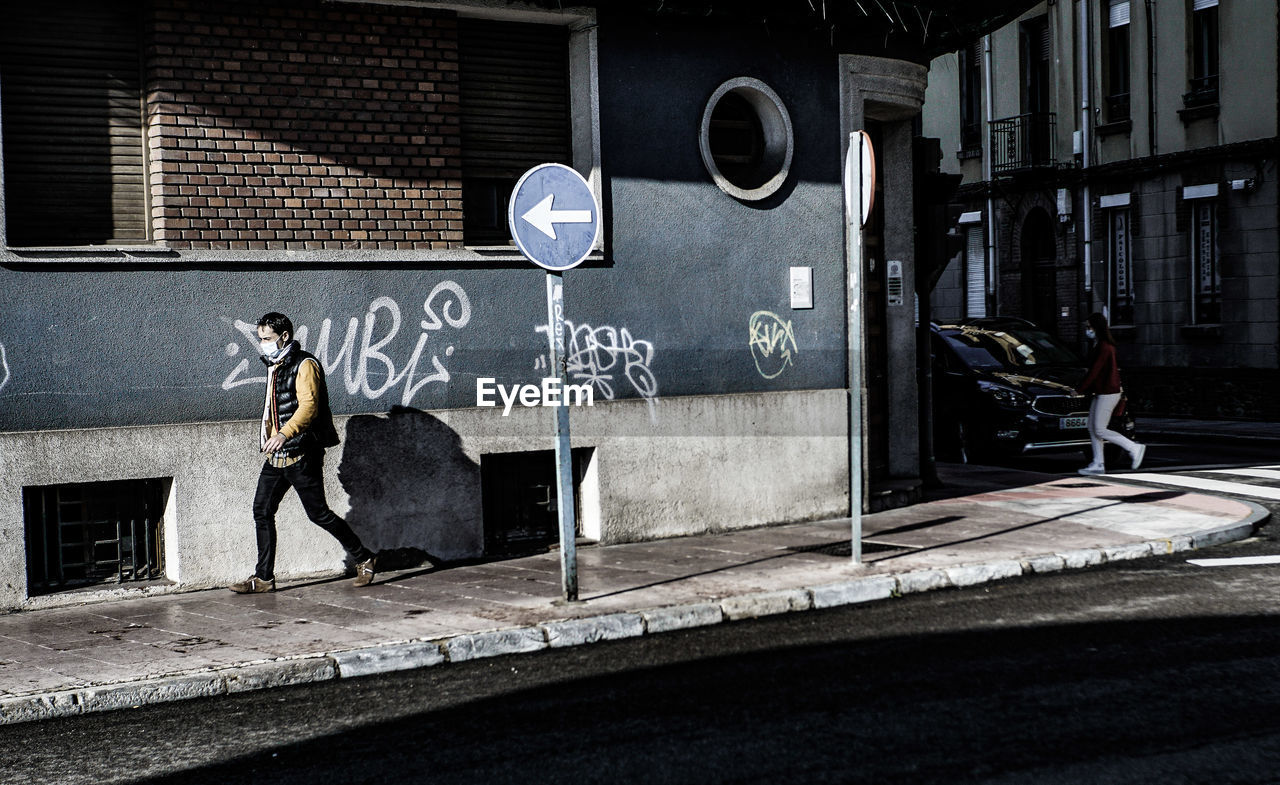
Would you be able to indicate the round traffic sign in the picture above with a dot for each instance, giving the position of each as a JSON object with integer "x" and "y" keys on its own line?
{"x": 553, "y": 217}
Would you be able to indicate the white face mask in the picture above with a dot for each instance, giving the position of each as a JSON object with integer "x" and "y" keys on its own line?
{"x": 268, "y": 349}
{"x": 1090, "y": 334}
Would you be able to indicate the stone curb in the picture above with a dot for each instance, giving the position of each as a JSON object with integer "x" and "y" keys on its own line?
{"x": 404, "y": 655}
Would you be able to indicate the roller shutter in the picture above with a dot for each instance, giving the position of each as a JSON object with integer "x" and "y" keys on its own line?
{"x": 514, "y": 83}
{"x": 975, "y": 274}
{"x": 74, "y": 164}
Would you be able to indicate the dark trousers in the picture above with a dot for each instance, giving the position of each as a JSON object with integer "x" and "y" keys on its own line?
{"x": 305, "y": 477}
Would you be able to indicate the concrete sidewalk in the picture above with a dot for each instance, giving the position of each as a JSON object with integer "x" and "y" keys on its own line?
{"x": 125, "y": 653}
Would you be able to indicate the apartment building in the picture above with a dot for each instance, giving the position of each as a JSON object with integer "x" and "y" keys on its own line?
{"x": 1121, "y": 156}
{"x": 171, "y": 170}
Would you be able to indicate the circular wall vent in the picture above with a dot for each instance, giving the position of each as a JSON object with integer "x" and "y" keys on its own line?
{"x": 746, "y": 139}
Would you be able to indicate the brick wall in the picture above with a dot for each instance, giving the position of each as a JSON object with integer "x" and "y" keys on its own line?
{"x": 303, "y": 126}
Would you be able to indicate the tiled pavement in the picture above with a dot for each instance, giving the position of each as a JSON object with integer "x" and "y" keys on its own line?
{"x": 71, "y": 660}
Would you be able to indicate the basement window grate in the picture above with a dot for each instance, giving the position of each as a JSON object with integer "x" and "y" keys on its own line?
{"x": 89, "y": 534}
{"x": 521, "y": 512}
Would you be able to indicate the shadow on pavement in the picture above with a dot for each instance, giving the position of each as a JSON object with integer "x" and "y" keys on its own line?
{"x": 960, "y": 479}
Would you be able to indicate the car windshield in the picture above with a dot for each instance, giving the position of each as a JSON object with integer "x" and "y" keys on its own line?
{"x": 1008, "y": 350}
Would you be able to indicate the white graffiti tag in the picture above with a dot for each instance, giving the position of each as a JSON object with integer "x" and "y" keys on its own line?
{"x": 773, "y": 343}
{"x": 599, "y": 355}
{"x": 366, "y": 368}
{"x": 4, "y": 367}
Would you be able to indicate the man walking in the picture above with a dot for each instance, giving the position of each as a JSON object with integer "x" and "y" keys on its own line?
{"x": 297, "y": 426}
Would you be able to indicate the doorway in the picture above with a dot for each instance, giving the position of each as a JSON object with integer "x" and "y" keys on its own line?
{"x": 1039, "y": 270}
{"x": 875, "y": 324}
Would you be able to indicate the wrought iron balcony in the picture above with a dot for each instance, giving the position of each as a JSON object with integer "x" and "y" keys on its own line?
{"x": 1023, "y": 142}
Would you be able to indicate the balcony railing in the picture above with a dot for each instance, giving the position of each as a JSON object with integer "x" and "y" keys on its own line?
{"x": 1204, "y": 91}
{"x": 1117, "y": 107}
{"x": 1023, "y": 142}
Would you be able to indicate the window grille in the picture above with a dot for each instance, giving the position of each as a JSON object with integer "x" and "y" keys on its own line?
{"x": 86, "y": 534}
{"x": 518, "y": 492}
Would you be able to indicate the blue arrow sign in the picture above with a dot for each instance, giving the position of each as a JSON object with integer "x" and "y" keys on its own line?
{"x": 553, "y": 217}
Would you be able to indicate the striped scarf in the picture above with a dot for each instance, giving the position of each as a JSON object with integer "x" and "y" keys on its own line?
{"x": 271, "y": 413}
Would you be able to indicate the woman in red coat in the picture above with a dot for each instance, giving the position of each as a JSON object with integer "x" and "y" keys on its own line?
{"x": 1103, "y": 381}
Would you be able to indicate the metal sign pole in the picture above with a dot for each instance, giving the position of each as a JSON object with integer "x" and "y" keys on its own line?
{"x": 555, "y": 222}
{"x": 564, "y": 456}
{"x": 859, "y": 186}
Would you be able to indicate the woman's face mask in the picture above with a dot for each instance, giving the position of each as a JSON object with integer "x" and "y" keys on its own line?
{"x": 1090, "y": 334}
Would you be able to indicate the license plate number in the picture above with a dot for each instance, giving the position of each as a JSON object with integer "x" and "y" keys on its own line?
{"x": 1071, "y": 423}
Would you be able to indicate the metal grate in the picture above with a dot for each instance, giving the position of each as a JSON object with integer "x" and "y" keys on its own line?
{"x": 1062, "y": 405}
{"x": 518, "y": 493}
{"x": 86, "y": 534}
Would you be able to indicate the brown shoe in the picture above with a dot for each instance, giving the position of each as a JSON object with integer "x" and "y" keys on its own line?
{"x": 253, "y": 585}
{"x": 364, "y": 573}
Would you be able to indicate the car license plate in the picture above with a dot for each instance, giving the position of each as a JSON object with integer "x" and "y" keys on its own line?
{"x": 1070, "y": 423}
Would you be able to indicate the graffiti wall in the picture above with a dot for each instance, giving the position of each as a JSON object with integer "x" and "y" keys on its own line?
{"x": 692, "y": 296}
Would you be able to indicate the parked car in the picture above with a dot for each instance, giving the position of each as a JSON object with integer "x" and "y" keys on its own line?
{"x": 1002, "y": 387}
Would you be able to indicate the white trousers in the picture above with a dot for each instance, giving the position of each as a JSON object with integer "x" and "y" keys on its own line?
{"x": 1099, "y": 418}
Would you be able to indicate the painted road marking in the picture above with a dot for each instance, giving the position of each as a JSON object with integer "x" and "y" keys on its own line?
{"x": 1235, "y": 561}
{"x": 1265, "y": 474}
{"x": 1204, "y": 484}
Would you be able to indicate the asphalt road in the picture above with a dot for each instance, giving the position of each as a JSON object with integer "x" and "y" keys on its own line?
{"x": 1154, "y": 671}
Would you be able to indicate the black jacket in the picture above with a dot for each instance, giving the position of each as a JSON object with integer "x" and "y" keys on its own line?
{"x": 321, "y": 433}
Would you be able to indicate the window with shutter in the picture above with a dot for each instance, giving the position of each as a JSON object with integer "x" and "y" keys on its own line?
{"x": 74, "y": 155}
{"x": 1204, "y": 53}
{"x": 514, "y": 84}
{"x": 971, "y": 97}
{"x": 1037, "y": 78}
{"x": 1117, "y": 56}
{"x": 1036, "y": 62}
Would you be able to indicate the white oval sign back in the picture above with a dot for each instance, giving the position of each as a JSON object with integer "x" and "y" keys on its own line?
{"x": 859, "y": 175}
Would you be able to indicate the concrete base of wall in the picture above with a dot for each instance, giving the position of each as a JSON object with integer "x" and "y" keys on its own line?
{"x": 410, "y": 479}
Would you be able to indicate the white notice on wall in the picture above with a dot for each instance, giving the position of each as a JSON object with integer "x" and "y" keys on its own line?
{"x": 801, "y": 287}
